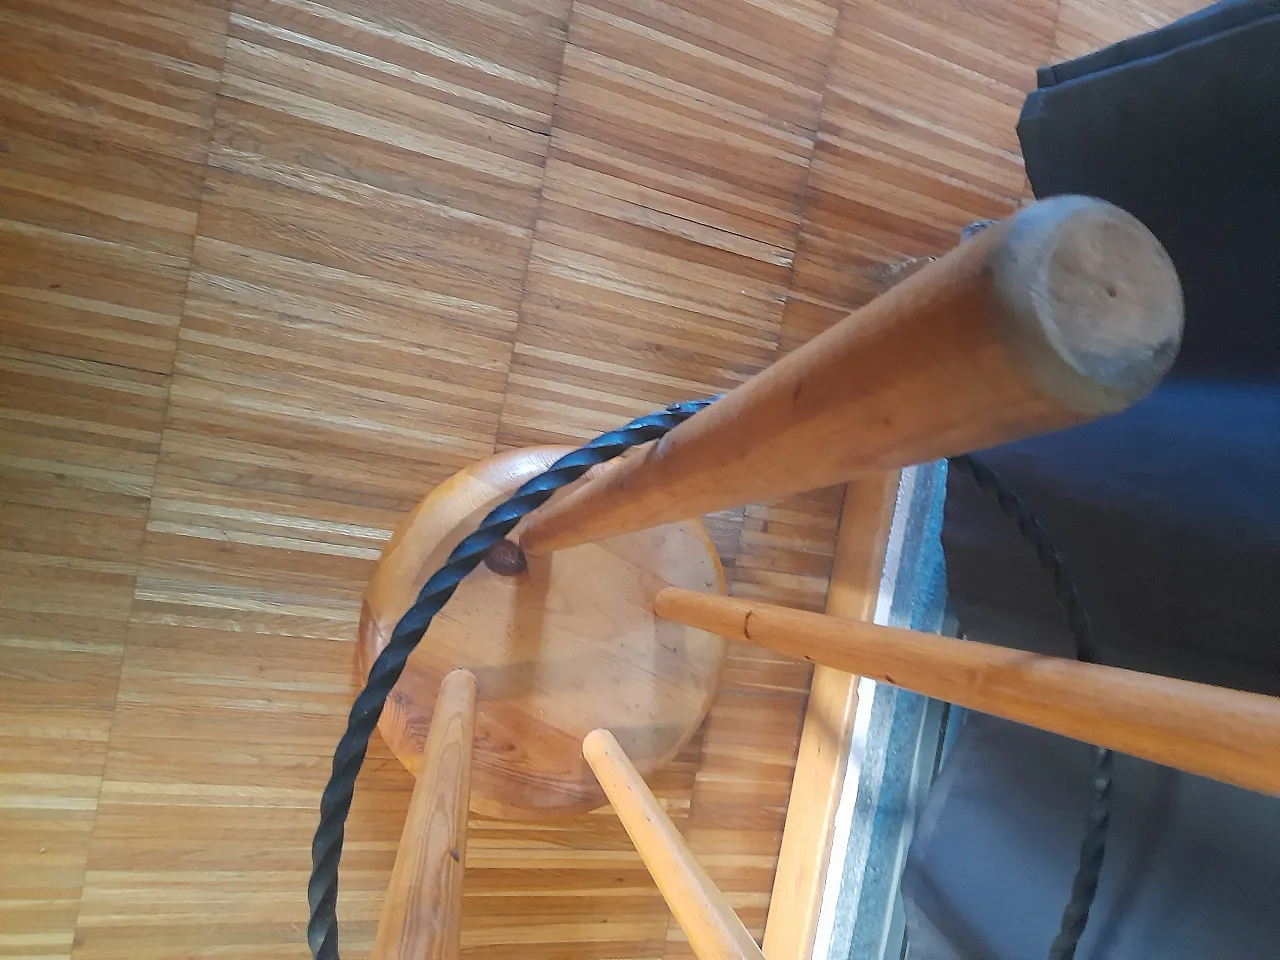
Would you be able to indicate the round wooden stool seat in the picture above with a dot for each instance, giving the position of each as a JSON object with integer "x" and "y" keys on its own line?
{"x": 566, "y": 646}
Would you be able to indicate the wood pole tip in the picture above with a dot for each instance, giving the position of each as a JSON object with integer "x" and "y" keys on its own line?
{"x": 596, "y": 742}
{"x": 1093, "y": 299}
{"x": 460, "y": 677}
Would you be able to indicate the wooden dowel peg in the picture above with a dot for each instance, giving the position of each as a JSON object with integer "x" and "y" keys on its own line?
{"x": 421, "y": 916}
{"x": 1067, "y": 311}
{"x": 705, "y": 916}
{"x": 1228, "y": 735}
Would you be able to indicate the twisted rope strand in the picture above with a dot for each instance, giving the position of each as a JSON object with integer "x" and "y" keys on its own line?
{"x": 1084, "y": 885}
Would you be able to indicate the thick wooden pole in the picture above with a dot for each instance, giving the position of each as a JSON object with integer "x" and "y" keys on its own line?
{"x": 420, "y": 918}
{"x": 1067, "y": 311}
{"x": 1225, "y": 734}
{"x": 705, "y": 916}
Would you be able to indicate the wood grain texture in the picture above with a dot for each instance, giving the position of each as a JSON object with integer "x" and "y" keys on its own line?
{"x": 106, "y": 112}
{"x": 1228, "y": 735}
{"x": 916, "y": 139}
{"x": 889, "y": 179}
{"x": 105, "y": 116}
{"x": 560, "y": 648}
{"x": 823, "y": 755}
{"x": 1066, "y": 311}
{"x": 1086, "y": 25}
{"x": 676, "y": 171}
{"x": 362, "y": 246}
{"x": 362, "y": 238}
{"x": 897, "y": 170}
{"x": 674, "y": 186}
{"x": 66, "y": 581}
{"x": 714, "y": 931}
{"x": 421, "y": 918}
{"x": 379, "y": 289}
{"x": 780, "y": 552}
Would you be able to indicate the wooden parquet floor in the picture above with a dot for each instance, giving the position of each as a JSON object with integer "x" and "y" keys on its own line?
{"x": 271, "y": 269}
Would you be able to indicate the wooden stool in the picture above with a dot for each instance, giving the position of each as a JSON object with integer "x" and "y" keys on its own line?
{"x": 612, "y": 613}
{"x": 568, "y": 644}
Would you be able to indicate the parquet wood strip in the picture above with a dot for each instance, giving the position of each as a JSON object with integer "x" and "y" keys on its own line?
{"x": 678, "y": 160}
{"x": 106, "y": 110}
{"x": 78, "y": 441}
{"x": 917, "y": 139}
{"x": 221, "y": 739}
{"x": 362, "y": 247}
{"x": 1088, "y": 25}
{"x": 105, "y": 115}
{"x": 362, "y": 242}
{"x": 66, "y": 582}
{"x": 679, "y": 156}
{"x": 495, "y": 60}
{"x": 78, "y": 434}
{"x": 786, "y": 549}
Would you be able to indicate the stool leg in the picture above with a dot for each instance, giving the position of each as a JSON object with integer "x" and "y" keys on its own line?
{"x": 713, "y": 929}
{"x": 1229, "y": 735}
{"x": 420, "y": 918}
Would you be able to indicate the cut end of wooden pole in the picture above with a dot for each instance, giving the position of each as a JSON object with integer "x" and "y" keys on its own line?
{"x": 1067, "y": 311}
{"x": 460, "y": 682}
{"x": 597, "y": 744}
{"x": 1093, "y": 299}
{"x": 593, "y": 740}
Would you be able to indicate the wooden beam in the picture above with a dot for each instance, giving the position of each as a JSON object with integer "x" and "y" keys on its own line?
{"x": 1068, "y": 310}
{"x": 1228, "y": 735}
{"x": 421, "y": 916}
{"x": 823, "y": 755}
{"x": 705, "y": 916}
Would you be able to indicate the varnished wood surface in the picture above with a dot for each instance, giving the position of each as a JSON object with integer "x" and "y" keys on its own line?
{"x": 421, "y": 917}
{"x": 713, "y": 929}
{"x": 822, "y": 759}
{"x": 1066, "y": 311}
{"x": 566, "y": 645}
{"x": 1228, "y": 735}
{"x": 105, "y": 118}
{"x": 272, "y": 269}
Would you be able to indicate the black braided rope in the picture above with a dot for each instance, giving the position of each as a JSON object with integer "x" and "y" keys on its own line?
{"x": 335, "y": 802}
{"x": 1084, "y": 886}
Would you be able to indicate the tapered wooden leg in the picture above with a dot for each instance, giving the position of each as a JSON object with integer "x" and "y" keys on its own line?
{"x": 1228, "y": 735}
{"x": 713, "y": 929}
{"x": 420, "y": 918}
